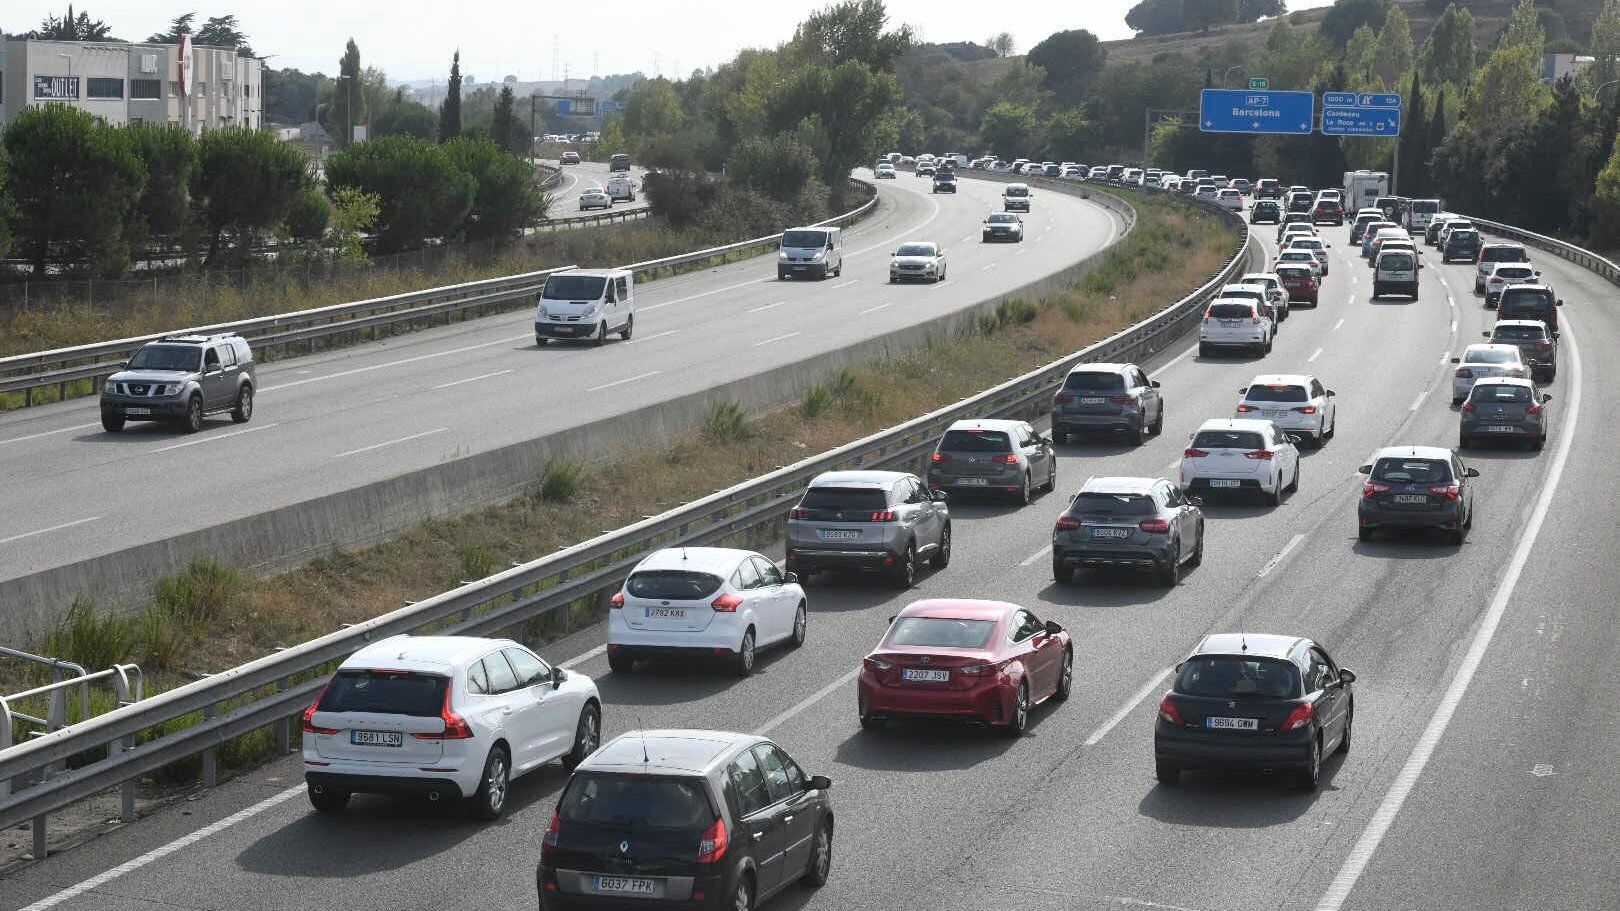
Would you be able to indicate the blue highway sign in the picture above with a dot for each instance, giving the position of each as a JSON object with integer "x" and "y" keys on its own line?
{"x": 1239, "y": 111}
{"x": 1361, "y": 121}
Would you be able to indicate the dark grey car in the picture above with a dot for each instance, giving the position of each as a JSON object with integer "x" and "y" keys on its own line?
{"x": 1107, "y": 398}
{"x": 1504, "y": 409}
{"x": 869, "y": 521}
{"x": 1006, "y": 458}
{"x": 1130, "y": 523}
{"x": 1416, "y": 487}
{"x": 1538, "y": 345}
{"x": 182, "y": 378}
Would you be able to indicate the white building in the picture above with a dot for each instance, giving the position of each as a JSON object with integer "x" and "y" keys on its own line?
{"x": 130, "y": 83}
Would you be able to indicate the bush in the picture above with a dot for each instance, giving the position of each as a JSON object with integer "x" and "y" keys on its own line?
{"x": 198, "y": 595}
{"x": 817, "y": 399}
{"x": 477, "y": 562}
{"x": 1008, "y": 313}
{"x": 422, "y": 192}
{"x": 88, "y": 637}
{"x": 727, "y": 423}
{"x": 780, "y": 167}
{"x": 163, "y": 642}
{"x": 310, "y": 212}
{"x": 678, "y": 197}
{"x": 562, "y": 482}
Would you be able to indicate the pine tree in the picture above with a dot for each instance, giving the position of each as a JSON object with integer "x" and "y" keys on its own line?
{"x": 450, "y": 111}
{"x": 500, "y": 132}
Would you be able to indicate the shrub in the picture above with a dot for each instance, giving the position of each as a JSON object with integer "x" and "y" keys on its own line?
{"x": 817, "y": 399}
{"x": 199, "y": 594}
{"x": 727, "y": 423}
{"x": 163, "y": 641}
{"x": 91, "y": 638}
{"x": 476, "y": 562}
{"x": 562, "y": 482}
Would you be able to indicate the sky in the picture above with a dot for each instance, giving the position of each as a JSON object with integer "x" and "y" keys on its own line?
{"x": 412, "y": 39}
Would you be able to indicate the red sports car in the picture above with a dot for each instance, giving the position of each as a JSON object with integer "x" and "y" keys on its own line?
{"x": 987, "y": 661}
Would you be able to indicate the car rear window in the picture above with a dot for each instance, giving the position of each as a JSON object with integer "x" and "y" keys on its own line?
{"x": 845, "y": 499}
{"x": 385, "y": 692}
{"x": 1496, "y": 254}
{"x": 1228, "y": 439}
{"x": 1094, "y": 381}
{"x": 1234, "y": 677}
{"x": 1231, "y": 311}
{"x": 1276, "y": 392}
{"x": 941, "y": 632}
{"x": 1490, "y": 356}
{"x": 1513, "y": 273}
{"x": 1520, "y": 333}
{"x": 975, "y": 441}
{"x": 1425, "y": 207}
{"x": 1465, "y": 235}
{"x": 672, "y": 584}
{"x": 1499, "y": 392}
{"x": 1391, "y": 261}
{"x": 1293, "y": 274}
{"x": 1094, "y": 503}
{"x": 635, "y": 801}
{"x": 1411, "y": 471}
{"x": 1528, "y": 298}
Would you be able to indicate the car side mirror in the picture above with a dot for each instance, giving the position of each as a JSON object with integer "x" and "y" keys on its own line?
{"x": 891, "y": 618}
{"x": 558, "y": 675}
{"x": 1346, "y": 676}
{"x": 1485, "y": 335}
{"x": 1555, "y": 335}
{"x": 818, "y": 783}
{"x": 1559, "y": 303}
{"x": 1243, "y": 391}
{"x": 1456, "y": 360}
{"x": 1195, "y": 501}
{"x": 1364, "y": 469}
{"x": 1331, "y": 392}
{"x": 1420, "y": 265}
{"x": 1472, "y": 472}
{"x": 940, "y": 496}
{"x": 790, "y": 578}
{"x": 1545, "y": 399}
{"x": 122, "y": 365}
{"x": 1153, "y": 384}
{"x": 1053, "y": 627}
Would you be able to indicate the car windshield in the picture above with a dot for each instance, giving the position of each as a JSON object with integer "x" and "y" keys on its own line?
{"x": 1003, "y": 219}
{"x": 1520, "y": 333}
{"x": 1093, "y": 503}
{"x": 941, "y": 632}
{"x": 804, "y": 239}
{"x": 1231, "y": 311}
{"x": 1492, "y": 356}
{"x": 167, "y": 357}
{"x": 915, "y": 250}
{"x": 975, "y": 441}
{"x": 845, "y": 499}
{"x": 1395, "y": 261}
{"x": 385, "y": 692}
{"x": 574, "y": 287}
{"x": 1228, "y": 439}
{"x": 1528, "y": 298}
{"x": 635, "y": 802}
{"x": 1017, "y": 191}
{"x": 1276, "y": 392}
{"x": 1412, "y": 471}
{"x": 672, "y": 584}
{"x": 1234, "y": 677}
{"x": 1499, "y": 392}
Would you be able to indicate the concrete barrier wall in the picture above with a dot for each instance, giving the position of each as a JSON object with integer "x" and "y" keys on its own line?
{"x": 290, "y": 536}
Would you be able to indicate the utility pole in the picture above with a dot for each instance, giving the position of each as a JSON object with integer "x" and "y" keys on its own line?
{"x": 533, "y": 102}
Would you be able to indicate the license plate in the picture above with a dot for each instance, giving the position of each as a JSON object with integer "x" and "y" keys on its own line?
{"x": 1223, "y": 482}
{"x": 1109, "y": 533}
{"x": 1232, "y": 724}
{"x": 835, "y": 534}
{"x": 972, "y": 482}
{"x": 1092, "y": 400}
{"x": 1498, "y": 428}
{"x": 624, "y": 884}
{"x": 1410, "y": 498}
{"x": 1229, "y": 324}
{"x": 137, "y": 411}
{"x": 675, "y": 613}
{"x": 376, "y": 738}
{"x": 912, "y": 673}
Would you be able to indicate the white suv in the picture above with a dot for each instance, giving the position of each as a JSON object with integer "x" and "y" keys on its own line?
{"x": 1235, "y": 323}
{"x": 444, "y": 716}
{"x": 1295, "y": 402}
{"x": 704, "y": 601}
{"x": 1241, "y": 456}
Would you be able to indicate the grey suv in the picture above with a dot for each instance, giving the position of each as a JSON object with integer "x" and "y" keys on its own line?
{"x": 1131, "y": 523}
{"x": 182, "y": 378}
{"x": 1002, "y": 457}
{"x": 1113, "y": 398}
{"x": 869, "y": 521}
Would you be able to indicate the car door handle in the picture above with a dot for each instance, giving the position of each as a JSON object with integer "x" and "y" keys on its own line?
{"x": 758, "y": 835}
{"x": 506, "y": 710}
{"x": 787, "y": 819}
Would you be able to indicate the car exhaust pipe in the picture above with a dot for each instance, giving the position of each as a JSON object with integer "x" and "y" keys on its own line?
{"x": 317, "y": 789}
{"x": 433, "y": 797}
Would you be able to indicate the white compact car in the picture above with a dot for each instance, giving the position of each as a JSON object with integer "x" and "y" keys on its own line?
{"x": 1503, "y": 274}
{"x": 446, "y": 717}
{"x": 918, "y": 261}
{"x": 1236, "y": 456}
{"x": 1314, "y": 244}
{"x": 1235, "y": 323}
{"x": 1480, "y": 361}
{"x": 1299, "y": 256}
{"x": 1295, "y": 402}
{"x": 704, "y": 601}
{"x": 1229, "y": 199}
{"x": 594, "y": 198}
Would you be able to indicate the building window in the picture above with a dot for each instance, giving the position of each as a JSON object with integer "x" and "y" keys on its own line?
{"x": 174, "y": 88}
{"x": 146, "y": 89}
{"x": 103, "y": 87}
{"x": 148, "y": 63}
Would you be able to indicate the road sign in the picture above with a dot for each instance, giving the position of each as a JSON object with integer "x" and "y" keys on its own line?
{"x": 1238, "y": 111}
{"x": 1361, "y": 114}
{"x": 1259, "y": 83}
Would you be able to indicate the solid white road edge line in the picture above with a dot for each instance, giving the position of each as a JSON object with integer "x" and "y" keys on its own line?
{"x": 1124, "y": 710}
{"x": 414, "y": 436}
{"x": 1280, "y": 556}
{"x": 45, "y": 531}
{"x": 210, "y": 439}
{"x": 1377, "y": 827}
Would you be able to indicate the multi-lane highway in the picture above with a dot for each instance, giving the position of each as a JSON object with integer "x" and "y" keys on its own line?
{"x": 69, "y": 491}
{"x": 1480, "y": 775}
{"x": 577, "y": 178}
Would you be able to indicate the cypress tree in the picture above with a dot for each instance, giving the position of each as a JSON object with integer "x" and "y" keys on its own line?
{"x": 1413, "y": 144}
{"x": 450, "y": 111}
{"x": 1437, "y": 137}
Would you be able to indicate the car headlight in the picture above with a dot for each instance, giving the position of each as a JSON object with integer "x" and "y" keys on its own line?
{"x": 542, "y": 311}
{"x": 781, "y": 254}
{"x": 819, "y": 254}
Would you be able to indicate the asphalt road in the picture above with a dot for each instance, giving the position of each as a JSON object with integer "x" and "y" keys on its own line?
{"x": 333, "y": 421}
{"x": 1481, "y": 773}
{"x": 576, "y": 178}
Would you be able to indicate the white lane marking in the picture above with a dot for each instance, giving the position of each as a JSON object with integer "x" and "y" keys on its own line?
{"x": 772, "y": 341}
{"x": 846, "y": 284}
{"x": 966, "y": 238}
{"x": 1136, "y": 697}
{"x": 764, "y": 307}
{"x": 873, "y": 309}
{"x": 807, "y": 702}
{"x": 1378, "y": 826}
{"x": 648, "y": 338}
{"x": 156, "y": 854}
{"x": 1445, "y": 356}
{"x": 46, "y": 531}
{"x": 693, "y": 297}
{"x": 1340, "y": 322}
{"x": 472, "y": 379}
{"x": 46, "y": 433}
{"x": 628, "y": 379}
{"x": 1314, "y": 355}
{"x": 210, "y": 439}
{"x": 408, "y": 360}
{"x": 987, "y": 267}
{"x": 1036, "y": 556}
{"x": 1352, "y": 279}
{"x": 1418, "y": 402}
{"x": 582, "y": 658}
{"x": 1174, "y": 361}
{"x": 1280, "y": 556}
{"x": 414, "y": 436}
{"x": 1020, "y": 251}
{"x": 1175, "y": 465}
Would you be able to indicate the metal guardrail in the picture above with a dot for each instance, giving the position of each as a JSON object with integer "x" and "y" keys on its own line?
{"x": 26, "y": 373}
{"x": 272, "y": 690}
{"x": 1580, "y": 256}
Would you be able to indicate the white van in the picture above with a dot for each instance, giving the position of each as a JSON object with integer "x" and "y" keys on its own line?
{"x": 1396, "y": 272}
{"x": 586, "y": 303}
{"x": 810, "y": 251}
{"x": 1016, "y": 198}
{"x": 1420, "y": 212}
{"x": 620, "y": 186}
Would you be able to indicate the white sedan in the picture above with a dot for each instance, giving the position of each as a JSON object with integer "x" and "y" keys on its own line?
{"x": 1241, "y": 456}
{"x": 1299, "y": 257}
{"x": 1480, "y": 361}
{"x": 918, "y": 261}
{"x": 1316, "y": 245}
{"x": 595, "y": 198}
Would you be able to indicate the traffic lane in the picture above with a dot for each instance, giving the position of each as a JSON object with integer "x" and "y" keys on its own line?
{"x": 576, "y": 179}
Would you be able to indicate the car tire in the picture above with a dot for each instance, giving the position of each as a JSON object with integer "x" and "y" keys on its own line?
{"x": 328, "y": 800}
{"x": 1364, "y": 535}
{"x": 587, "y": 736}
{"x": 111, "y": 421}
{"x": 539, "y": 341}
{"x": 1167, "y": 774}
{"x": 1019, "y": 722}
{"x": 1456, "y": 401}
{"x": 1332, "y": 429}
{"x": 1464, "y": 441}
{"x": 1062, "y": 573}
{"x": 621, "y": 663}
{"x": 743, "y": 900}
{"x": 1310, "y": 778}
{"x": 490, "y": 801}
{"x": 1293, "y": 485}
{"x": 942, "y": 554}
{"x": 1158, "y": 421}
{"x": 1065, "y": 684}
{"x": 820, "y": 869}
{"x": 1539, "y": 443}
{"x": 629, "y": 328}
{"x": 905, "y": 569}
{"x": 1139, "y": 434}
{"x": 1024, "y": 494}
{"x": 193, "y": 421}
{"x": 869, "y": 721}
{"x": 1197, "y": 558}
{"x": 1051, "y": 479}
{"x": 742, "y": 663}
{"x": 801, "y": 627}
{"x": 243, "y": 412}
{"x": 1170, "y": 573}
{"x": 1274, "y": 497}
{"x": 600, "y": 338}
{"x": 1349, "y": 725}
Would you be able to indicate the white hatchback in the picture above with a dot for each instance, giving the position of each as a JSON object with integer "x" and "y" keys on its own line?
{"x": 704, "y": 601}
{"x": 1314, "y": 244}
{"x": 1299, "y": 256}
{"x": 445, "y": 717}
{"x": 1295, "y": 402}
{"x": 1503, "y": 274}
{"x": 1236, "y": 456}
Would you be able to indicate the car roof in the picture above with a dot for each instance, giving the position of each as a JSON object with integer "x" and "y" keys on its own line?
{"x": 1488, "y": 346}
{"x": 1119, "y": 485}
{"x": 703, "y": 559}
{"x": 958, "y": 608}
{"x": 1237, "y": 424}
{"x": 1502, "y": 245}
{"x": 986, "y": 424}
{"x": 881, "y": 479}
{"x": 662, "y": 752}
{"x": 1521, "y": 324}
{"x": 1263, "y": 645}
{"x": 1412, "y": 452}
{"x": 1099, "y": 367}
{"x": 1506, "y": 381}
{"x": 1528, "y": 286}
{"x": 1246, "y": 287}
{"x": 430, "y": 654}
{"x": 1281, "y": 379}
{"x": 603, "y": 273}
{"x": 1245, "y": 301}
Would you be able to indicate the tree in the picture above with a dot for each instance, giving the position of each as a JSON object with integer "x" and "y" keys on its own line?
{"x": 420, "y": 191}
{"x": 781, "y": 166}
{"x": 309, "y": 215}
{"x": 1002, "y": 43}
{"x": 1023, "y": 83}
{"x": 72, "y": 28}
{"x": 1395, "y": 51}
{"x": 1361, "y": 57}
{"x": 169, "y": 154}
{"x": 1201, "y": 14}
{"x": 1156, "y": 17}
{"x": 5, "y": 206}
{"x": 1412, "y": 146}
{"x": 402, "y": 116}
{"x": 504, "y": 198}
{"x": 652, "y": 107}
{"x": 1523, "y": 29}
{"x": 611, "y": 139}
{"x": 245, "y": 183}
{"x": 450, "y": 110}
{"x": 1008, "y": 129}
{"x": 853, "y": 31}
{"x": 1346, "y": 16}
{"x": 1068, "y": 135}
{"x": 1438, "y": 130}
{"x": 353, "y": 212}
{"x": 835, "y": 111}
{"x": 1448, "y": 52}
{"x": 1507, "y": 93}
{"x": 1606, "y": 201}
{"x": 501, "y": 128}
{"x": 348, "y": 101}
{"x": 179, "y": 27}
{"x": 1071, "y": 60}
{"x": 224, "y": 31}
{"x": 290, "y": 96}
{"x": 1604, "y": 45}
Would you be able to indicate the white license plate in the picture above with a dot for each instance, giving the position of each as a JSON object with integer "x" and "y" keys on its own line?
{"x": 1230, "y": 324}
{"x": 1410, "y": 498}
{"x": 912, "y": 673}
{"x": 1223, "y": 482}
{"x": 1498, "y": 428}
{"x": 625, "y": 884}
{"x": 837, "y": 534}
{"x": 137, "y": 411}
{"x": 376, "y": 738}
{"x": 1109, "y": 533}
{"x": 973, "y": 482}
{"x": 1232, "y": 724}
{"x": 1092, "y": 400}
{"x": 674, "y": 613}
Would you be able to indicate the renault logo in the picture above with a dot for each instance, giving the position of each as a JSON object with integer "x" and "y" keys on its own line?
{"x": 624, "y": 847}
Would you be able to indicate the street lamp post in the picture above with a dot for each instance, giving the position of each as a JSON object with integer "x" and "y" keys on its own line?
{"x": 1235, "y": 66}
{"x": 69, "y": 59}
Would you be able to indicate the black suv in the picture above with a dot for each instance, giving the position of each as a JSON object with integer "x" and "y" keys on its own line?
{"x": 688, "y": 819}
{"x": 1461, "y": 244}
{"x": 182, "y": 378}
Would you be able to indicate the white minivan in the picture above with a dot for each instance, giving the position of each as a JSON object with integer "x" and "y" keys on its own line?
{"x": 586, "y": 304}
{"x": 811, "y": 251}
{"x": 1396, "y": 272}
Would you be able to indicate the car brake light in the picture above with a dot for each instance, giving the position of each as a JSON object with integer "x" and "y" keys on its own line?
{"x": 1308, "y": 409}
{"x": 727, "y": 603}
{"x": 1464, "y": 373}
{"x": 455, "y": 727}
{"x": 553, "y": 831}
{"x": 1300, "y": 716}
{"x": 1534, "y": 409}
{"x": 1121, "y": 399}
{"x": 1468, "y": 406}
{"x": 939, "y": 457}
{"x": 309, "y": 721}
{"x": 1067, "y": 523}
{"x": 797, "y": 513}
{"x": 1449, "y": 491}
{"x": 616, "y": 601}
{"x": 1064, "y": 399}
{"x": 878, "y": 665}
{"x": 1009, "y": 458}
{"x": 1169, "y": 712}
{"x": 1155, "y": 526}
{"x": 1255, "y": 319}
{"x": 1370, "y": 490}
{"x": 1259, "y": 455}
{"x": 1245, "y": 409}
{"x": 712, "y": 847}
{"x": 1191, "y": 453}
{"x": 884, "y": 515}
{"x": 1543, "y": 344}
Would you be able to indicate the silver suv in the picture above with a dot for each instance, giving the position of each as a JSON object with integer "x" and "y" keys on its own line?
{"x": 869, "y": 521}
{"x": 1112, "y": 398}
{"x": 1003, "y": 457}
{"x": 182, "y": 378}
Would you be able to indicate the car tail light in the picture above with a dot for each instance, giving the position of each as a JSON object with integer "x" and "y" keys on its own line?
{"x": 1259, "y": 455}
{"x": 1468, "y": 406}
{"x": 553, "y": 831}
{"x": 1122, "y": 400}
{"x": 1308, "y": 409}
{"x": 727, "y": 603}
{"x": 1245, "y": 409}
{"x": 309, "y": 720}
{"x": 797, "y": 513}
{"x": 712, "y": 847}
{"x": 1449, "y": 491}
{"x": 883, "y": 515}
{"x": 455, "y": 727}
{"x": 617, "y": 600}
{"x": 878, "y": 664}
{"x": 1533, "y": 409}
{"x": 1543, "y": 344}
{"x": 1255, "y": 319}
{"x": 1464, "y": 373}
{"x": 1063, "y": 399}
{"x": 1009, "y": 458}
{"x": 1192, "y": 453}
{"x": 978, "y": 670}
{"x": 1300, "y": 716}
{"x": 940, "y": 457}
{"x": 1370, "y": 490}
{"x": 1169, "y": 712}
{"x": 1067, "y": 523}
{"x": 1155, "y": 526}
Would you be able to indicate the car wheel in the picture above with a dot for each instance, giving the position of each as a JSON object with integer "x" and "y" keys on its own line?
{"x": 490, "y": 801}
{"x": 744, "y": 899}
{"x": 1333, "y": 428}
{"x": 600, "y": 338}
{"x": 905, "y": 568}
{"x": 1139, "y": 433}
{"x": 539, "y": 341}
{"x": 1539, "y": 443}
{"x": 1311, "y": 777}
{"x": 1158, "y": 421}
{"x": 1293, "y": 486}
{"x": 942, "y": 553}
{"x": 1051, "y": 479}
{"x": 1274, "y": 497}
{"x": 1349, "y": 724}
{"x": 1456, "y": 401}
{"x": 801, "y": 623}
{"x": 1269, "y": 341}
{"x": 893, "y": 280}
{"x": 621, "y": 663}
{"x": 1023, "y": 495}
{"x": 587, "y": 736}
{"x": 820, "y": 869}
{"x": 1170, "y": 573}
{"x": 869, "y": 721}
{"x": 1065, "y": 684}
{"x": 111, "y": 421}
{"x": 327, "y": 800}
{"x": 1167, "y": 773}
{"x": 1203, "y": 350}
{"x": 1464, "y": 441}
{"x": 193, "y": 420}
{"x": 243, "y": 412}
{"x": 1019, "y": 723}
{"x": 743, "y": 663}
{"x": 629, "y": 327}
{"x": 1062, "y": 573}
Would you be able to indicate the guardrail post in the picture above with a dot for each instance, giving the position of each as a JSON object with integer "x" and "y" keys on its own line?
{"x": 126, "y": 791}
{"x": 210, "y": 756}
{"x": 284, "y": 726}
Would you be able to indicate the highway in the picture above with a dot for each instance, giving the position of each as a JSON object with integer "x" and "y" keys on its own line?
{"x": 577, "y": 178}
{"x": 339, "y": 420}
{"x": 1480, "y": 776}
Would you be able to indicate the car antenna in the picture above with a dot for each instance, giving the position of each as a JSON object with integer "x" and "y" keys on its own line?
{"x": 643, "y": 732}
{"x": 1245, "y": 640}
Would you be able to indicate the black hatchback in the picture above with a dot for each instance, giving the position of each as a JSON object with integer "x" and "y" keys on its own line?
{"x": 1254, "y": 701}
{"x": 687, "y": 819}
